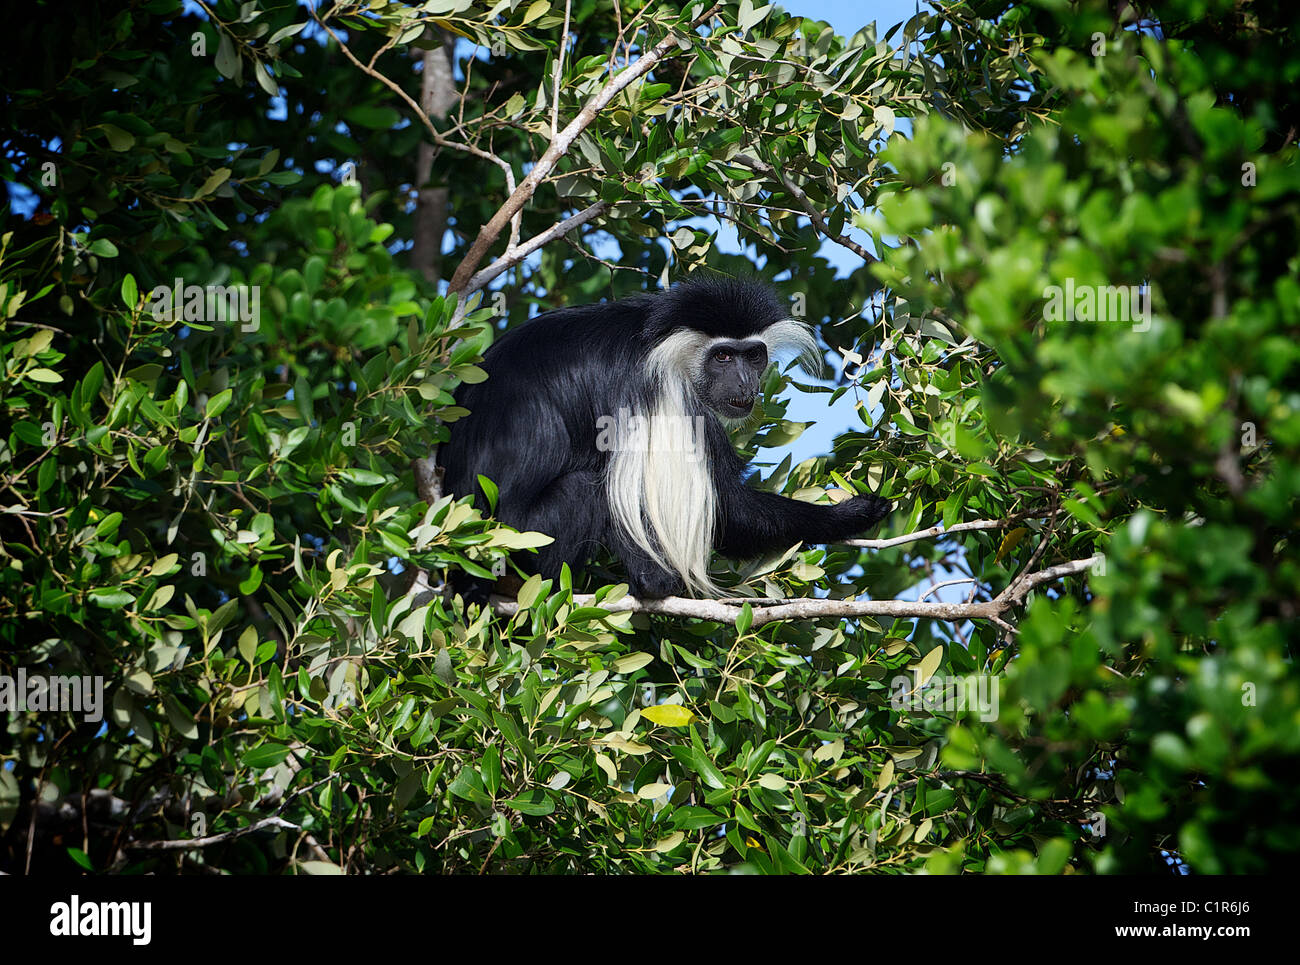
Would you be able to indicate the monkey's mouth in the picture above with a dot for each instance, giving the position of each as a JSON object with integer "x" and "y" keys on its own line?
{"x": 741, "y": 403}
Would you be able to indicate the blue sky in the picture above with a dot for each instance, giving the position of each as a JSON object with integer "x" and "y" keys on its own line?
{"x": 847, "y": 17}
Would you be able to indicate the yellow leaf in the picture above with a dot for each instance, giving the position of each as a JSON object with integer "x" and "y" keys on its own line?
{"x": 669, "y": 715}
{"x": 529, "y": 592}
{"x": 34, "y": 345}
{"x": 626, "y": 746}
{"x": 652, "y": 791}
{"x": 1010, "y": 542}
{"x": 753, "y": 843}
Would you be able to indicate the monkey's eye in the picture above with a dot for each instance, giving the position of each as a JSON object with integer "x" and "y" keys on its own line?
{"x": 721, "y": 356}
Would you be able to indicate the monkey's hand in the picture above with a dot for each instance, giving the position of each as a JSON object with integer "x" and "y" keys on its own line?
{"x": 862, "y": 512}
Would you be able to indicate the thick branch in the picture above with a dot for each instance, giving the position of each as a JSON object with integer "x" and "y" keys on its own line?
{"x": 437, "y": 95}
{"x": 1017, "y": 592}
{"x": 559, "y": 146}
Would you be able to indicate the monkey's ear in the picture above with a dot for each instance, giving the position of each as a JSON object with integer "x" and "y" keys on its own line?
{"x": 788, "y": 338}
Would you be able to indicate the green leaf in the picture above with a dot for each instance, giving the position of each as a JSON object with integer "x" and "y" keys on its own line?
{"x": 81, "y": 858}
{"x": 130, "y": 294}
{"x": 118, "y": 139}
{"x": 535, "y": 11}
{"x": 363, "y": 477}
{"x": 929, "y": 664}
{"x": 469, "y": 787}
{"x": 371, "y": 116}
{"x": 490, "y": 491}
{"x": 699, "y": 762}
{"x": 264, "y": 756}
{"x": 215, "y": 180}
{"x": 535, "y": 802}
{"x": 745, "y": 620}
{"x": 110, "y": 599}
{"x": 217, "y": 404}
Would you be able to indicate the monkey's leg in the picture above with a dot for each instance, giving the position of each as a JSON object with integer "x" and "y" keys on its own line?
{"x": 572, "y": 511}
{"x": 646, "y": 577}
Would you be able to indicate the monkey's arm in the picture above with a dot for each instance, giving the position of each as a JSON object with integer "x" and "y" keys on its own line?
{"x": 755, "y": 522}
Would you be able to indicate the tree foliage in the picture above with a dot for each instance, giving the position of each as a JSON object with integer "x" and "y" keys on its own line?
{"x": 216, "y": 513}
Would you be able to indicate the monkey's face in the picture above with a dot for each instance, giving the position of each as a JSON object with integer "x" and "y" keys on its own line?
{"x": 730, "y": 375}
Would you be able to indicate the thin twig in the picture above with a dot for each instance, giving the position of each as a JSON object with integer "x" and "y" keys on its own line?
{"x": 559, "y": 70}
{"x": 806, "y": 203}
{"x": 437, "y": 137}
{"x": 519, "y": 252}
{"x": 189, "y": 844}
{"x": 976, "y": 524}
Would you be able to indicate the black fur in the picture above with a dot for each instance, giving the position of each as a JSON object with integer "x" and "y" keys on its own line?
{"x": 533, "y": 430}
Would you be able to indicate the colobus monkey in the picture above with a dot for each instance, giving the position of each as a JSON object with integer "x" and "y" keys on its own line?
{"x": 604, "y": 425}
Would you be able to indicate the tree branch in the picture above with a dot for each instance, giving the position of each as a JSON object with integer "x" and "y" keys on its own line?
{"x": 437, "y": 96}
{"x": 438, "y": 138}
{"x": 805, "y": 202}
{"x": 514, "y": 255}
{"x": 976, "y": 524}
{"x": 189, "y": 844}
{"x": 559, "y": 146}
{"x": 814, "y": 609}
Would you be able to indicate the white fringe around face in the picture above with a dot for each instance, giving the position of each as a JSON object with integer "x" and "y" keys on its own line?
{"x": 660, "y": 484}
